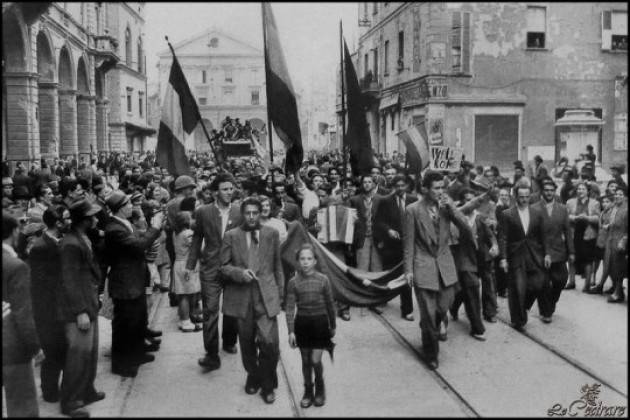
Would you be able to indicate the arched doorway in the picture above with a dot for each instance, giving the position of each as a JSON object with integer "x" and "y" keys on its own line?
{"x": 83, "y": 108}
{"x": 47, "y": 97}
{"x": 68, "y": 144}
{"x": 201, "y": 142}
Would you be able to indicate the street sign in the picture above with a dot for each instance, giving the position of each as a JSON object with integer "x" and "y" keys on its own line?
{"x": 445, "y": 158}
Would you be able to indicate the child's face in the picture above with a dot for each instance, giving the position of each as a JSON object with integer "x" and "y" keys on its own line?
{"x": 307, "y": 260}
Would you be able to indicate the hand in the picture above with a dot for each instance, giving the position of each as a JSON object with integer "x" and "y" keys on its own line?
{"x": 393, "y": 234}
{"x": 249, "y": 275}
{"x": 621, "y": 245}
{"x": 83, "y": 321}
{"x": 571, "y": 258}
{"x": 547, "y": 261}
{"x": 6, "y": 309}
{"x": 366, "y": 282}
{"x": 292, "y": 342}
{"x": 504, "y": 265}
{"x": 409, "y": 278}
{"x": 494, "y": 251}
{"x": 445, "y": 201}
{"x": 157, "y": 221}
{"x": 332, "y": 332}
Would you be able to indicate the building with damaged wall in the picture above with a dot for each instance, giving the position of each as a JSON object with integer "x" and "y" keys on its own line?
{"x": 497, "y": 78}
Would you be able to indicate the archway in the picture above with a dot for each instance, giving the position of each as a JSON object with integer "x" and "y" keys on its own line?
{"x": 47, "y": 96}
{"x": 201, "y": 142}
{"x": 67, "y": 105}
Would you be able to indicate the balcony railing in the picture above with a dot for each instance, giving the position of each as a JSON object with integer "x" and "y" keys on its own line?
{"x": 106, "y": 49}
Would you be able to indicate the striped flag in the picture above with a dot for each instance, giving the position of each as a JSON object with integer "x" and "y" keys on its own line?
{"x": 417, "y": 145}
{"x": 180, "y": 116}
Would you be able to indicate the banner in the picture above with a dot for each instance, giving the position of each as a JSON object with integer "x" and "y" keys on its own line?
{"x": 445, "y": 158}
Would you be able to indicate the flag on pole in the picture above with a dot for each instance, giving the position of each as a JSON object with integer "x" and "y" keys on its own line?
{"x": 180, "y": 116}
{"x": 417, "y": 145}
{"x": 357, "y": 137}
{"x": 281, "y": 102}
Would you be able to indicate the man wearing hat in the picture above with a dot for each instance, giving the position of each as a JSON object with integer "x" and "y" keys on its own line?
{"x": 127, "y": 278}
{"x": 79, "y": 311}
{"x": 616, "y": 171}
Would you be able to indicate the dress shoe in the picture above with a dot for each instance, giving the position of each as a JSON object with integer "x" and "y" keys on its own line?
{"x": 78, "y": 412}
{"x": 198, "y": 326}
{"x": 209, "y": 363}
{"x": 92, "y": 398}
{"x": 251, "y": 385}
{"x": 615, "y": 299}
{"x": 152, "y": 333}
{"x": 229, "y": 349}
{"x": 545, "y": 319}
{"x": 126, "y": 371}
{"x": 145, "y": 358}
{"x": 307, "y": 398}
{"x": 268, "y": 396}
{"x": 454, "y": 316}
{"x": 490, "y": 319}
{"x": 433, "y": 364}
{"x": 595, "y": 290}
{"x": 51, "y": 398}
{"x": 518, "y": 327}
{"x": 320, "y": 392}
{"x": 569, "y": 286}
{"x": 345, "y": 316}
{"x": 151, "y": 347}
{"x": 443, "y": 336}
{"x": 502, "y": 294}
{"x": 480, "y": 337}
{"x": 610, "y": 290}
{"x": 408, "y": 317}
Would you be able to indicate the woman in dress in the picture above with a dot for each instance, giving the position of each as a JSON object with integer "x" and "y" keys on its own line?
{"x": 185, "y": 285}
{"x": 600, "y": 244}
{"x": 272, "y": 222}
{"x": 616, "y": 254}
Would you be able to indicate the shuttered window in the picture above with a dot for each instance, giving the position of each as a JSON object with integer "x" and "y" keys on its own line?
{"x": 536, "y": 26}
{"x": 460, "y": 42}
{"x": 615, "y": 30}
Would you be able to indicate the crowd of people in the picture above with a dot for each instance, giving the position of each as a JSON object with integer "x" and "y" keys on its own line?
{"x": 99, "y": 235}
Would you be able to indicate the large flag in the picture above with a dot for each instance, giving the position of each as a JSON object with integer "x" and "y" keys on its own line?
{"x": 180, "y": 116}
{"x": 281, "y": 103}
{"x": 357, "y": 136}
{"x": 417, "y": 145}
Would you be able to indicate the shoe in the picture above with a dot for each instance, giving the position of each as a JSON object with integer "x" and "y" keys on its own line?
{"x": 490, "y": 319}
{"x": 92, "y": 398}
{"x": 585, "y": 289}
{"x": 345, "y": 316}
{"x": 408, "y": 317}
{"x": 502, "y": 294}
{"x": 198, "y": 326}
{"x": 610, "y": 290}
{"x": 307, "y": 398}
{"x": 269, "y": 397}
{"x": 480, "y": 337}
{"x": 152, "y": 340}
{"x": 519, "y": 328}
{"x": 433, "y": 364}
{"x": 251, "y": 385}
{"x": 186, "y": 326}
{"x": 569, "y": 286}
{"x": 209, "y": 363}
{"x": 545, "y": 319}
{"x": 229, "y": 349}
{"x": 442, "y": 336}
{"x": 126, "y": 372}
{"x": 455, "y": 316}
{"x": 51, "y": 398}
{"x": 77, "y": 412}
{"x": 596, "y": 290}
{"x": 151, "y": 347}
{"x": 145, "y": 358}
{"x": 152, "y": 333}
{"x": 320, "y": 393}
{"x": 615, "y": 299}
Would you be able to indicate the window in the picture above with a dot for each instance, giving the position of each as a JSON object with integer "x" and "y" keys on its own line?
{"x": 366, "y": 65}
{"x": 386, "y": 58}
{"x": 140, "y": 103}
{"x": 140, "y": 55}
{"x": 536, "y": 26}
{"x": 460, "y": 42}
{"x": 375, "y": 71}
{"x": 203, "y": 101}
{"x": 401, "y": 50}
{"x": 203, "y": 76}
{"x": 615, "y": 30}
{"x": 228, "y": 75}
{"x": 214, "y": 43}
{"x": 129, "y": 106}
{"x": 228, "y": 93}
{"x": 621, "y": 131}
{"x": 128, "y": 47}
{"x": 374, "y": 8}
{"x": 255, "y": 97}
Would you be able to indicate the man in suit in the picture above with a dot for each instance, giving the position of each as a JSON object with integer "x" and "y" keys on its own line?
{"x": 80, "y": 278}
{"x": 250, "y": 259}
{"x": 212, "y": 221}
{"x": 388, "y": 224}
{"x": 128, "y": 276}
{"x": 366, "y": 204}
{"x": 429, "y": 264}
{"x": 559, "y": 245}
{"x": 45, "y": 263}
{"x": 283, "y": 207}
{"x": 19, "y": 336}
{"x": 523, "y": 254}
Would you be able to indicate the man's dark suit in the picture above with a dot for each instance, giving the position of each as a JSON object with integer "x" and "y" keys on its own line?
{"x": 46, "y": 290}
{"x": 257, "y": 303}
{"x": 128, "y": 276}
{"x": 208, "y": 230}
{"x": 390, "y": 215}
{"x": 559, "y": 244}
{"x": 524, "y": 253}
{"x": 80, "y": 276}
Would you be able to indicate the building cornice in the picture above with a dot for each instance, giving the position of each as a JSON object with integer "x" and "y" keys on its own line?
{"x": 134, "y": 12}
{"x": 131, "y": 71}
{"x": 394, "y": 13}
{"x": 63, "y": 32}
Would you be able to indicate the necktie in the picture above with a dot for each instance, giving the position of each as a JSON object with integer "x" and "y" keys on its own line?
{"x": 254, "y": 238}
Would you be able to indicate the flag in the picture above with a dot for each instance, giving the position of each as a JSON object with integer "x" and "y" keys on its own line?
{"x": 281, "y": 102}
{"x": 417, "y": 145}
{"x": 357, "y": 136}
{"x": 180, "y": 116}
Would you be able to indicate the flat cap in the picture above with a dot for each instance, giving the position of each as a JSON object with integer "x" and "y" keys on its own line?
{"x": 83, "y": 208}
{"x": 116, "y": 200}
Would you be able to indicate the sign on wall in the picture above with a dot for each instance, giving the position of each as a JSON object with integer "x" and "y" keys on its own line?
{"x": 435, "y": 132}
{"x": 445, "y": 158}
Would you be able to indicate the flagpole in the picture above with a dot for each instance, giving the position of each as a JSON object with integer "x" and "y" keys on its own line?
{"x": 343, "y": 104}
{"x": 269, "y": 127}
{"x": 203, "y": 126}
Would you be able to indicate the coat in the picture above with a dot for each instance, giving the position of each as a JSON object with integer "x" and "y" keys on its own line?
{"x": 427, "y": 255}
{"x": 19, "y": 336}
{"x": 557, "y": 231}
{"x": 360, "y": 226}
{"x": 520, "y": 249}
{"x": 44, "y": 261}
{"x": 593, "y": 212}
{"x": 388, "y": 216}
{"x": 267, "y": 267}
{"x": 80, "y": 278}
{"x": 470, "y": 253}
{"x": 129, "y": 272}
{"x": 614, "y": 260}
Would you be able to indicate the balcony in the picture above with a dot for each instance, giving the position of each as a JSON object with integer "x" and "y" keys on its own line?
{"x": 106, "y": 52}
{"x": 369, "y": 85}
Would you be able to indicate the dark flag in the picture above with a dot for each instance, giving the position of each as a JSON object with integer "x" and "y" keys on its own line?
{"x": 180, "y": 115}
{"x": 357, "y": 137}
{"x": 417, "y": 146}
{"x": 281, "y": 103}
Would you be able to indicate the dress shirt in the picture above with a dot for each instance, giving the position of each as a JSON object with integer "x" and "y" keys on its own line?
{"x": 248, "y": 236}
{"x": 549, "y": 207}
{"x": 9, "y": 249}
{"x": 225, "y": 217}
{"x": 524, "y": 215}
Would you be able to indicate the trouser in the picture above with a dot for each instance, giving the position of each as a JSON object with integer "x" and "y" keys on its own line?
{"x": 390, "y": 260}
{"x": 524, "y": 287}
{"x": 470, "y": 296}
{"x": 18, "y": 381}
{"x": 488, "y": 290}
{"x": 165, "y": 275}
{"x": 367, "y": 256}
{"x": 433, "y": 306}
{"x": 260, "y": 346}
{"x": 52, "y": 338}
{"x": 79, "y": 371}
{"x": 128, "y": 331}
{"x": 211, "y": 297}
{"x": 555, "y": 279}
{"x": 501, "y": 277}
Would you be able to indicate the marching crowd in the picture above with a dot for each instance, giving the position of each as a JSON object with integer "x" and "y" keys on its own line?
{"x": 87, "y": 237}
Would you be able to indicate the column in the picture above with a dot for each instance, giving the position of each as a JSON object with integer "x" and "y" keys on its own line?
{"x": 86, "y": 120}
{"x": 68, "y": 136}
{"x": 22, "y": 129}
{"x": 48, "y": 119}
{"x": 102, "y": 117}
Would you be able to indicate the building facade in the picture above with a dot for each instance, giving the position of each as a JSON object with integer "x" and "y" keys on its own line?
{"x": 62, "y": 78}
{"x": 227, "y": 78}
{"x": 496, "y": 79}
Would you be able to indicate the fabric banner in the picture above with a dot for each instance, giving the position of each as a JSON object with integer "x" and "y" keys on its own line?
{"x": 416, "y": 144}
{"x": 351, "y": 286}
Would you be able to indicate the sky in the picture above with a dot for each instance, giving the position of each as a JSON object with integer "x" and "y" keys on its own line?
{"x": 309, "y": 32}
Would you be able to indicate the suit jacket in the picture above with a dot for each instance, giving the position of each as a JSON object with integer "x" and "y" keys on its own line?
{"x": 427, "y": 254}
{"x": 557, "y": 230}
{"x": 44, "y": 261}
{"x": 129, "y": 272}
{"x": 360, "y": 226}
{"x": 473, "y": 246}
{"x": 19, "y": 336}
{"x": 80, "y": 277}
{"x": 267, "y": 267}
{"x": 208, "y": 230}
{"x": 291, "y": 212}
{"x": 593, "y": 212}
{"x": 388, "y": 216}
{"x": 522, "y": 250}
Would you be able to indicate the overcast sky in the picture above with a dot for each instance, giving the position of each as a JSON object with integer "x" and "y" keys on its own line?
{"x": 309, "y": 32}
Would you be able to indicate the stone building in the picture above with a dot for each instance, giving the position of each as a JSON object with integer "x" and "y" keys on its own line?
{"x": 226, "y": 76}
{"x": 497, "y": 78}
{"x": 63, "y": 77}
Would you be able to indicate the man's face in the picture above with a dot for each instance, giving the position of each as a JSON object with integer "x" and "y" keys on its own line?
{"x": 504, "y": 196}
{"x": 333, "y": 175}
{"x": 266, "y": 208}
{"x": 225, "y": 192}
{"x": 436, "y": 191}
{"x": 389, "y": 175}
{"x": 375, "y": 172}
{"x": 489, "y": 175}
{"x": 281, "y": 192}
{"x": 317, "y": 182}
{"x": 126, "y": 210}
{"x": 206, "y": 195}
{"x": 518, "y": 172}
{"x": 581, "y": 191}
{"x": 612, "y": 186}
{"x": 78, "y": 192}
{"x": 323, "y": 195}
{"x": 619, "y": 197}
{"x": 522, "y": 197}
{"x": 401, "y": 187}
{"x": 47, "y": 196}
{"x": 367, "y": 183}
{"x": 65, "y": 223}
{"x": 548, "y": 193}
{"x": 7, "y": 190}
{"x": 251, "y": 214}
